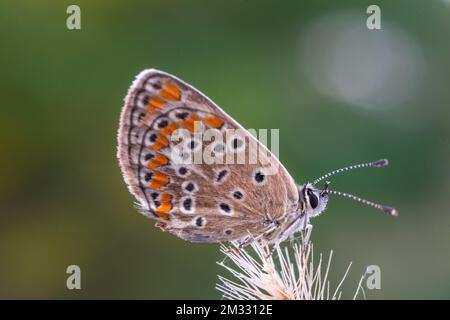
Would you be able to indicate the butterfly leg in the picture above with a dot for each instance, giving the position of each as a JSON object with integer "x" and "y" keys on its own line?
{"x": 271, "y": 251}
{"x": 245, "y": 242}
{"x": 307, "y": 233}
{"x": 240, "y": 244}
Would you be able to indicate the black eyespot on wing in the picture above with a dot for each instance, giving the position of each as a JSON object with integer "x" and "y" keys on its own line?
{"x": 182, "y": 171}
{"x": 154, "y": 195}
{"x": 153, "y": 137}
{"x": 225, "y": 207}
{"x": 146, "y": 100}
{"x": 149, "y": 156}
{"x": 238, "y": 195}
{"x": 148, "y": 176}
{"x": 163, "y": 123}
{"x": 221, "y": 175}
{"x": 187, "y": 204}
{"x": 157, "y": 85}
{"x": 200, "y": 222}
{"x": 190, "y": 187}
{"x": 182, "y": 115}
{"x": 259, "y": 177}
{"x": 228, "y": 232}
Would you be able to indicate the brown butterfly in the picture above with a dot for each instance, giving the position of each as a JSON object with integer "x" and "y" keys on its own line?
{"x": 241, "y": 192}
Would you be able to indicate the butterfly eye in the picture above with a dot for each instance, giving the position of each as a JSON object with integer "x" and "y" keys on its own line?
{"x": 313, "y": 201}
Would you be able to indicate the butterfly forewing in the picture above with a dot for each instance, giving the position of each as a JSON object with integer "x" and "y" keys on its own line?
{"x": 210, "y": 184}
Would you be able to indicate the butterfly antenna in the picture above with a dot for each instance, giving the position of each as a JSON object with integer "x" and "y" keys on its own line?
{"x": 375, "y": 164}
{"x": 389, "y": 210}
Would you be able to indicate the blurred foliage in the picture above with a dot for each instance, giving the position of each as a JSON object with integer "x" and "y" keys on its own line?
{"x": 62, "y": 197}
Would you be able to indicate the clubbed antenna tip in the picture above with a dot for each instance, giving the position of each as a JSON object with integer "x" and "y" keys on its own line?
{"x": 380, "y": 163}
{"x": 391, "y": 211}
{"x": 375, "y": 164}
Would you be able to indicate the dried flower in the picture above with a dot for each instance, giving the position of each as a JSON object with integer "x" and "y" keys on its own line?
{"x": 287, "y": 273}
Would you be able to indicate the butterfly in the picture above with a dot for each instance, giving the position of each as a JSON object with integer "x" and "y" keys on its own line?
{"x": 210, "y": 201}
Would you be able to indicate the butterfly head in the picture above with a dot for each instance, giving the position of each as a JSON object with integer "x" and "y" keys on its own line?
{"x": 313, "y": 201}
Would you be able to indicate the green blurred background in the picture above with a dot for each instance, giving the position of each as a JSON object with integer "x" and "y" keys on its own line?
{"x": 338, "y": 92}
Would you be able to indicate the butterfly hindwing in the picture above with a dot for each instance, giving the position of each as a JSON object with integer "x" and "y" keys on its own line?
{"x": 196, "y": 199}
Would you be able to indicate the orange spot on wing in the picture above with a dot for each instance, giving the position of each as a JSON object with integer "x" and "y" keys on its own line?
{"x": 166, "y": 204}
{"x": 162, "y": 215}
{"x": 158, "y": 180}
{"x": 158, "y": 161}
{"x": 169, "y": 129}
{"x": 190, "y": 121}
{"x": 155, "y": 104}
{"x": 213, "y": 122}
{"x": 161, "y": 142}
{"x": 170, "y": 92}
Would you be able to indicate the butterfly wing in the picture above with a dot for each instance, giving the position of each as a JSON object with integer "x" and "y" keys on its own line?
{"x": 219, "y": 183}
